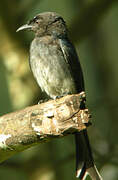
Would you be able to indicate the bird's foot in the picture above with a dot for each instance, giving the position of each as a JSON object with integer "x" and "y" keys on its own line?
{"x": 43, "y": 101}
{"x": 60, "y": 96}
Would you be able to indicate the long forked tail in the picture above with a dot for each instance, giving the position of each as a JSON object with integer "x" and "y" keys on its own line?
{"x": 84, "y": 159}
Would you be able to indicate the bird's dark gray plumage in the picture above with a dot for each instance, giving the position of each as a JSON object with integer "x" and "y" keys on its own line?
{"x": 56, "y": 68}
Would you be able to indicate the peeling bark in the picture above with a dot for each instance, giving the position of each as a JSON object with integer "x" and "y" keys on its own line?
{"x": 40, "y": 123}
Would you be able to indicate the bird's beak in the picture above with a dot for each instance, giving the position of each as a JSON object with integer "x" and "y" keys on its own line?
{"x": 26, "y": 26}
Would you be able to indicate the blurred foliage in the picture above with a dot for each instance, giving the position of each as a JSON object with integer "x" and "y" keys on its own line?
{"x": 93, "y": 28}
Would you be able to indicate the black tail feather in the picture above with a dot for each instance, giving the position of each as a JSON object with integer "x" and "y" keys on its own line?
{"x": 84, "y": 159}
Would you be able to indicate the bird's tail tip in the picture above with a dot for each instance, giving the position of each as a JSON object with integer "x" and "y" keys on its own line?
{"x": 78, "y": 175}
{"x": 92, "y": 172}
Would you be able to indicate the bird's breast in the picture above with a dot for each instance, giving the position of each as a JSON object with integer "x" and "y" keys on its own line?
{"x": 50, "y": 68}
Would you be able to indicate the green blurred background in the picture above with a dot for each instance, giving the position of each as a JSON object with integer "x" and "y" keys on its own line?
{"x": 93, "y": 28}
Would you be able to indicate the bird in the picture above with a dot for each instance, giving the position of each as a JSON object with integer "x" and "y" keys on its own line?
{"x": 57, "y": 70}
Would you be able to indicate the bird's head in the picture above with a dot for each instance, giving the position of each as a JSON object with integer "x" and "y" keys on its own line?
{"x": 47, "y": 23}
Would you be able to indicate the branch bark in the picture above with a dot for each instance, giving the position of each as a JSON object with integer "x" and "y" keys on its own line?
{"x": 40, "y": 123}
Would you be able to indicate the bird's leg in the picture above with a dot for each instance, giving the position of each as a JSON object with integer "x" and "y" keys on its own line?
{"x": 64, "y": 94}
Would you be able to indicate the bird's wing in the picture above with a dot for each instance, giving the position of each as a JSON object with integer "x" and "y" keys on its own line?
{"x": 72, "y": 61}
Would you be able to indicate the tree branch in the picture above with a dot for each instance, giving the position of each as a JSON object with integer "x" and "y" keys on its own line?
{"x": 33, "y": 125}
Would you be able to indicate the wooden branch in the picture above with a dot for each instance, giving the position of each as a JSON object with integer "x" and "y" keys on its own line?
{"x": 32, "y": 125}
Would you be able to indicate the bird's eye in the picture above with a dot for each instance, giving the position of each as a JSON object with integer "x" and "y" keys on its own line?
{"x": 36, "y": 21}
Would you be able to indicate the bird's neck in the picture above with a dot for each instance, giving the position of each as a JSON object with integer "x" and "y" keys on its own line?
{"x": 53, "y": 35}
